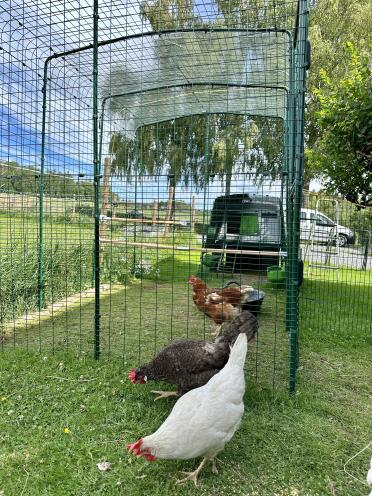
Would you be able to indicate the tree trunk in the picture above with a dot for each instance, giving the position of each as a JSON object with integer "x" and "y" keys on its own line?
{"x": 105, "y": 197}
{"x": 192, "y": 216}
{"x": 228, "y": 184}
{"x": 228, "y": 167}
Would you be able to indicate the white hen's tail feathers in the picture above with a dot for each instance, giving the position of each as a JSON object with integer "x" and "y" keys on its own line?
{"x": 238, "y": 352}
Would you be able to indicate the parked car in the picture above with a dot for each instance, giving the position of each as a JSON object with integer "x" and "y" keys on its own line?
{"x": 324, "y": 228}
{"x": 135, "y": 214}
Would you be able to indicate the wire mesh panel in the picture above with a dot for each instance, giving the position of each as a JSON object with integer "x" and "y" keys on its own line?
{"x": 143, "y": 144}
{"x": 336, "y": 243}
{"x": 161, "y": 236}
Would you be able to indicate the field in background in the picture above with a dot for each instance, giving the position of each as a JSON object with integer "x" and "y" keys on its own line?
{"x": 68, "y": 249}
{"x": 285, "y": 446}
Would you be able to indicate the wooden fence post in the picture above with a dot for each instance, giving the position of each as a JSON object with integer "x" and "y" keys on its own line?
{"x": 169, "y": 210}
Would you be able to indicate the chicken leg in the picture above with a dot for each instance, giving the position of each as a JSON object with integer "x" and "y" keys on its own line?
{"x": 217, "y": 331}
{"x": 164, "y": 394}
{"x": 193, "y": 476}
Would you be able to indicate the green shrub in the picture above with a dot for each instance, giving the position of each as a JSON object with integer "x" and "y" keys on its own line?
{"x": 84, "y": 210}
{"x": 66, "y": 270}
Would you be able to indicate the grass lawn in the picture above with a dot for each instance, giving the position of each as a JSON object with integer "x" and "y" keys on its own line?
{"x": 62, "y": 413}
{"x": 24, "y": 228}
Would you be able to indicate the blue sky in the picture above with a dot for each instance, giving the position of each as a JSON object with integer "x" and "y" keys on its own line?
{"x": 27, "y": 36}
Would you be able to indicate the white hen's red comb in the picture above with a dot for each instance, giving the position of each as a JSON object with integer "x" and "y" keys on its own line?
{"x": 135, "y": 448}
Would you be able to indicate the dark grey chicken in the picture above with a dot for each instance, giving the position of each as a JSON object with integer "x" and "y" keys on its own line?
{"x": 190, "y": 363}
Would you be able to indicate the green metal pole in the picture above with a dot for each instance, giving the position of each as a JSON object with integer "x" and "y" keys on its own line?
{"x": 290, "y": 131}
{"x": 301, "y": 65}
{"x": 206, "y": 181}
{"x": 135, "y": 208}
{"x": 41, "y": 190}
{"x": 101, "y": 122}
{"x": 96, "y": 168}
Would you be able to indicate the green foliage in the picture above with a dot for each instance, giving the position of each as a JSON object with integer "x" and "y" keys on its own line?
{"x": 67, "y": 269}
{"x": 85, "y": 210}
{"x": 361, "y": 223}
{"x": 343, "y": 154}
{"x": 333, "y": 23}
{"x": 17, "y": 179}
{"x": 167, "y": 14}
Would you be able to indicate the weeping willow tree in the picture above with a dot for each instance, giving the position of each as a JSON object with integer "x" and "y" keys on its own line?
{"x": 235, "y": 143}
{"x": 178, "y": 147}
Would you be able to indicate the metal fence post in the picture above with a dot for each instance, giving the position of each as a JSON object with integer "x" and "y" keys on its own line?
{"x": 96, "y": 165}
{"x": 296, "y": 186}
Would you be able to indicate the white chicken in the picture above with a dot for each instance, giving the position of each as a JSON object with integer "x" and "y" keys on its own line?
{"x": 203, "y": 420}
{"x": 369, "y": 477}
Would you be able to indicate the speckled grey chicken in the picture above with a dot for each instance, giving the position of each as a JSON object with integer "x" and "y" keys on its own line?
{"x": 190, "y": 363}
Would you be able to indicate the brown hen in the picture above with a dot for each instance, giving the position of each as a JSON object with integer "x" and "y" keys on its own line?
{"x": 220, "y": 305}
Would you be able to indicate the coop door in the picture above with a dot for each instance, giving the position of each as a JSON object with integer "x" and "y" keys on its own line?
{"x": 249, "y": 225}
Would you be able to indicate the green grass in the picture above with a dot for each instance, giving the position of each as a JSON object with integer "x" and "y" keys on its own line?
{"x": 68, "y": 258}
{"x": 285, "y": 446}
{"x": 144, "y": 316}
{"x": 23, "y": 228}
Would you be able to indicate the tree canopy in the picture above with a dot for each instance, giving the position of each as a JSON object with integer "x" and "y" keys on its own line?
{"x": 343, "y": 153}
{"x": 333, "y": 23}
{"x": 17, "y": 179}
{"x": 178, "y": 147}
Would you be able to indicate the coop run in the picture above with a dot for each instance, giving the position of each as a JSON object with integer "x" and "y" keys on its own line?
{"x": 141, "y": 143}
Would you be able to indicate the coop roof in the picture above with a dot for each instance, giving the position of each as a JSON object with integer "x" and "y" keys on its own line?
{"x": 158, "y": 77}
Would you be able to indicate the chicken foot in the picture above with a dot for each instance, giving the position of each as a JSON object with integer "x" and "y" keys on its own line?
{"x": 164, "y": 394}
{"x": 193, "y": 476}
{"x": 214, "y": 466}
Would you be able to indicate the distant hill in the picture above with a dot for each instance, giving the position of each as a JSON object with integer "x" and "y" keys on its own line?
{"x": 17, "y": 179}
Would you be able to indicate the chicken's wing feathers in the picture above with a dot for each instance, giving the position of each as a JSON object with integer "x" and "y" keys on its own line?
{"x": 199, "y": 423}
{"x": 214, "y": 298}
{"x": 183, "y": 359}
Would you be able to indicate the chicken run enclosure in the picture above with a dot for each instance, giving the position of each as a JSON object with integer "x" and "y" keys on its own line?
{"x": 142, "y": 143}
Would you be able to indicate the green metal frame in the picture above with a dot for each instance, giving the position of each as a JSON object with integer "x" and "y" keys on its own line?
{"x": 292, "y": 173}
{"x": 96, "y": 165}
{"x": 296, "y": 148}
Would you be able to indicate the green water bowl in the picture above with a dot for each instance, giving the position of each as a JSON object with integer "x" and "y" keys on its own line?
{"x": 210, "y": 260}
{"x": 276, "y": 275}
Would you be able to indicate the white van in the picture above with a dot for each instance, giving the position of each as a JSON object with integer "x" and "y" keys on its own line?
{"x": 324, "y": 228}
